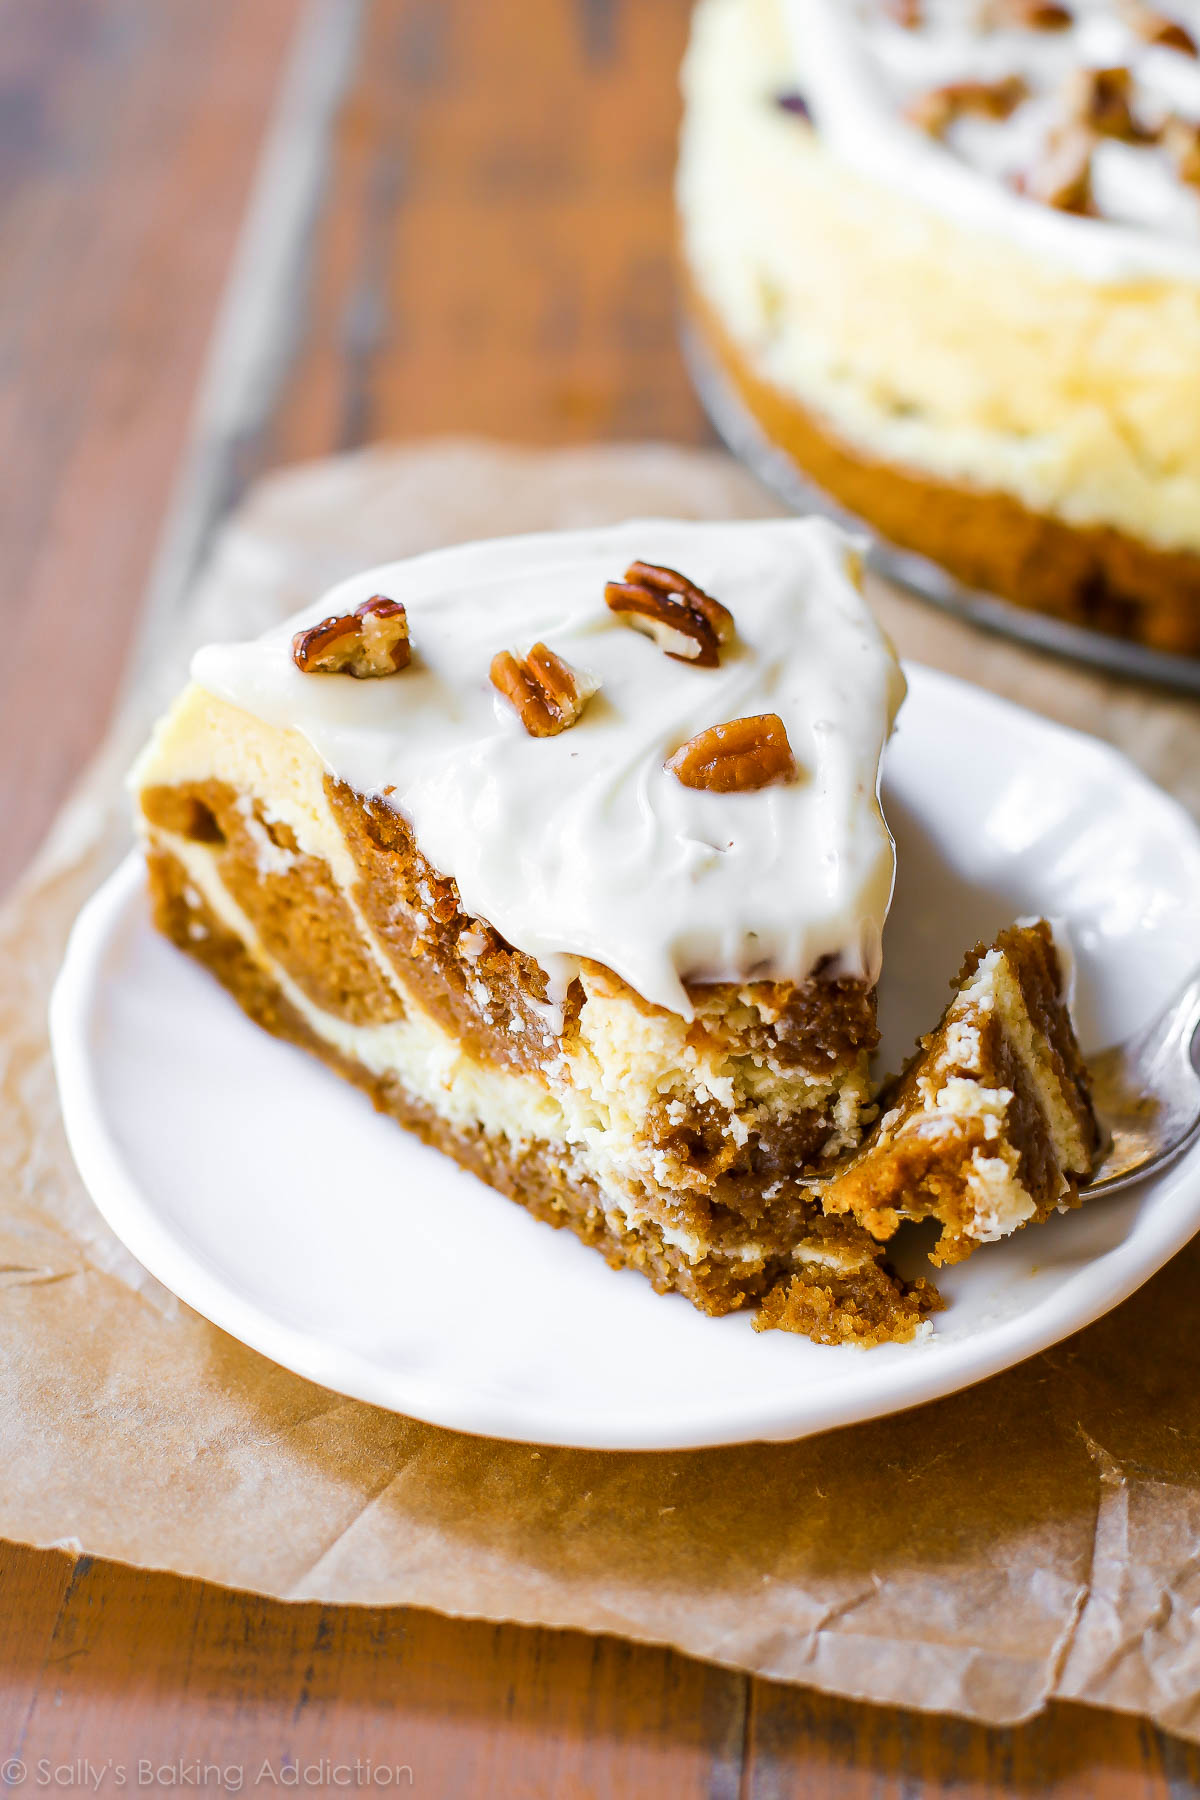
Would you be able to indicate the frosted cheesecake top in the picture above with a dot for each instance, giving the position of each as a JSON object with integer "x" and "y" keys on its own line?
{"x": 1073, "y": 125}
{"x": 580, "y": 796}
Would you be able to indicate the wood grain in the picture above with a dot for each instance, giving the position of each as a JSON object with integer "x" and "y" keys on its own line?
{"x": 801, "y": 1743}
{"x": 494, "y": 252}
{"x": 491, "y": 251}
{"x": 127, "y": 144}
{"x": 115, "y": 1667}
{"x": 148, "y": 1666}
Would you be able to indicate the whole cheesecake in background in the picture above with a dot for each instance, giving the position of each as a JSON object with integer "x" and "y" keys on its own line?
{"x": 568, "y": 850}
{"x": 947, "y": 255}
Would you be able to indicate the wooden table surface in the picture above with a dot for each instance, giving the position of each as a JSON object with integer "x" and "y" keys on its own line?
{"x": 239, "y": 232}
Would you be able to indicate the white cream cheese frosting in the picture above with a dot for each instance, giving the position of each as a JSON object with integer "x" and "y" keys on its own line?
{"x": 584, "y": 845}
{"x": 858, "y": 69}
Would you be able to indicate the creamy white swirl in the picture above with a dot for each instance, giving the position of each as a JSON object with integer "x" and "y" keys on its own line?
{"x": 584, "y": 845}
{"x": 858, "y": 70}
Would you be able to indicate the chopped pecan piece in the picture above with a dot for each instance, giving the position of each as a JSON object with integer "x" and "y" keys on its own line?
{"x": 1156, "y": 28}
{"x": 1182, "y": 140}
{"x": 370, "y": 641}
{"x": 934, "y": 112}
{"x": 1034, "y": 15}
{"x": 909, "y": 13}
{"x": 546, "y": 693}
{"x": 736, "y": 758}
{"x": 681, "y": 618}
{"x": 1063, "y": 178}
{"x": 1101, "y": 100}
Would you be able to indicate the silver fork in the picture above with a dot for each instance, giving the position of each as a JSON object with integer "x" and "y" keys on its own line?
{"x": 1147, "y": 1093}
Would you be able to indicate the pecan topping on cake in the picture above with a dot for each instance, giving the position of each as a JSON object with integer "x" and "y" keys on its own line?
{"x": 1063, "y": 178}
{"x": 546, "y": 693}
{"x": 1182, "y": 140}
{"x": 684, "y": 621}
{"x": 909, "y": 13}
{"x": 736, "y": 758}
{"x": 369, "y": 642}
{"x": 1034, "y": 15}
{"x": 935, "y": 111}
{"x": 1157, "y": 28}
{"x": 1100, "y": 99}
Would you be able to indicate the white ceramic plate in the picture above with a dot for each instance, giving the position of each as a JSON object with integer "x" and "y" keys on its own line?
{"x": 270, "y": 1197}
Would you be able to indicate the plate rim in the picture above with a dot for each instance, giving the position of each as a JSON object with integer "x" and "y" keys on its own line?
{"x": 911, "y": 1379}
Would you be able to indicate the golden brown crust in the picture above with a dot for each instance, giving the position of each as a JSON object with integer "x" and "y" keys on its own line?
{"x": 1091, "y": 575}
{"x": 870, "y": 1307}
